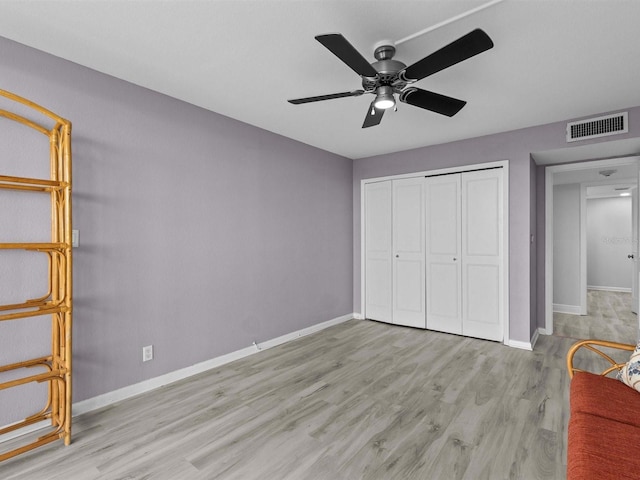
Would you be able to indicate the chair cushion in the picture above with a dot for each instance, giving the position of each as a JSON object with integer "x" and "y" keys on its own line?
{"x": 602, "y": 449}
{"x": 604, "y": 397}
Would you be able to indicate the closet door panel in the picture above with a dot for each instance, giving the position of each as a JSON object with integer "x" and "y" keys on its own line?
{"x": 443, "y": 245}
{"x": 444, "y": 296}
{"x": 378, "y": 252}
{"x": 408, "y": 246}
{"x": 482, "y": 301}
{"x": 408, "y": 289}
{"x": 378, "y": 301}
{"x": 482, "y": 244}
{"x": 482, "y": 211}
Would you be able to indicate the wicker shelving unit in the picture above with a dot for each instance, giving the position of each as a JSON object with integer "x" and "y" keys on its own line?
{"x": 55, "y": 367}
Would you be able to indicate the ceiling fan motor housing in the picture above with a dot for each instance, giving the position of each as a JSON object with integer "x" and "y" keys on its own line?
{"x": 388, "y": 70}
{"x": 384, "y": 52}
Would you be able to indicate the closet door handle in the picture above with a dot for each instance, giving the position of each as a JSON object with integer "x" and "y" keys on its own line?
{"x": 397, "y": 256}
{"x": 454, "y": 259}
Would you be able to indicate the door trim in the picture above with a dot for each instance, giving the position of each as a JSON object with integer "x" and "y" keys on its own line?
{"x": 505, "y": 232}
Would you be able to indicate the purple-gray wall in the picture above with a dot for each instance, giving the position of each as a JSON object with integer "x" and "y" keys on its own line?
{"x": 525, "y": 202}
{"x": 199, "y": 234}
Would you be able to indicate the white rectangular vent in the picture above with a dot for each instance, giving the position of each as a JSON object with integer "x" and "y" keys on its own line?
{"x": 597, "y": 127}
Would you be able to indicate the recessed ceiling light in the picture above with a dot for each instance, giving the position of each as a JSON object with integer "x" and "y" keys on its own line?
{"x": 625, "y": 194}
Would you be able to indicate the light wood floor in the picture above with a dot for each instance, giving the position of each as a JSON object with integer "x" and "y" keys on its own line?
{"x": 360, "y": 400}
{"x": 609, "y": 318}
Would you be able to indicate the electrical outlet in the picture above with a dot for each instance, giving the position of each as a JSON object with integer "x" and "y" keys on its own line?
{"x": 147, "y": 353}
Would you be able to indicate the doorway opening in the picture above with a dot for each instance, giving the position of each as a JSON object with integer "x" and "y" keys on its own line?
{"x": 585, "y": 290}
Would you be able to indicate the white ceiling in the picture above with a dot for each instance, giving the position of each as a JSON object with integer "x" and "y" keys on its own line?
{"x": 603, "y": 178}
{"x": 552, "y": 60}
{"x": 622, "y": 174}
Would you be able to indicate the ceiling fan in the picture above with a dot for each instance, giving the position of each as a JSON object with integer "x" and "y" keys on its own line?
{"x": 387, "y": 77}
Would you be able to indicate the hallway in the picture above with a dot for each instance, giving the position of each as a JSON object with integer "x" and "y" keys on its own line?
{"x": 609, "y": 318}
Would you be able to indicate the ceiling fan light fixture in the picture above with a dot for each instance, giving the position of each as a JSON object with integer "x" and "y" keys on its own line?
{"x": 385, "y": 98}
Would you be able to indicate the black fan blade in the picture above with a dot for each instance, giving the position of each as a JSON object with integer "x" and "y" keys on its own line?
{"x": 432, "y": 101}
{"x": 341, "y": 48}
{"x": 374, "y": 116}
{"x": 298, "y": 101}
{"x": 465, "y": 47}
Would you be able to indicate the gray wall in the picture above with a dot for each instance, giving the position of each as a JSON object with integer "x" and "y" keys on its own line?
{"x": 198, "y": 234}
{"x": 609, "y": 241}
{"x": 566, "y": 244}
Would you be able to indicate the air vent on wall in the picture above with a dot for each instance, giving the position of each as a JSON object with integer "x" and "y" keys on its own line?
{"x": 597, "y": 127}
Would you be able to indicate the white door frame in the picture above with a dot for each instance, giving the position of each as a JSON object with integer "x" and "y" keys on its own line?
{"x": 634, "y": 246}
{"x": 443, "y": 171}
{"x": 550, "y": 171}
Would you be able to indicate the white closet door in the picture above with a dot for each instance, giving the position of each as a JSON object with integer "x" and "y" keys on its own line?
{"x": 378, "y": 253}
{"x": 482, "y": 244}
{"x": 408, "y": 258}
{"x": 443, "y": 259}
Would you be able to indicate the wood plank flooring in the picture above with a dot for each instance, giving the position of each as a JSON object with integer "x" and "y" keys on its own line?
{"x": 360, "y": 400}
{"x": 609, "y": 318}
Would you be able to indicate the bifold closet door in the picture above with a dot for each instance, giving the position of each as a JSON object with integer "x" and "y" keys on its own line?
{"x": 434, "y": 252}
{"x": 443, "y": 256}
{"x": 464, "y": 243}
{"x": 482, "y": 251}
{"x": 408, "y": 248}
{"x": 378, "y": 253}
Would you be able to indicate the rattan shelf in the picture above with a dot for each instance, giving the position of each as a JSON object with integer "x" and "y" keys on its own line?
{"x": 56, "y": 367}
{"x": 38, "y": 247}
{"x": 31, "y": 184}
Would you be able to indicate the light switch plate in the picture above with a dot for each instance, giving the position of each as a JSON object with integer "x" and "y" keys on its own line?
{"x": 75, "y": 238}
{"x": 147, "y": 353}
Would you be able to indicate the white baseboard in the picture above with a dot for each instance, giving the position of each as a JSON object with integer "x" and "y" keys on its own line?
{"x": 545, "y": 331}
{"x": 358, "y": 316}
{"x": 300, "y": 333}
{"x": 129, "y": 391}
{"x": 525, "y": 345}
{"x": 570, "y": 309}
{"x": 609, "y": 289}
{"x": 534, "y": 339}
{"x": 520, "y": 345}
